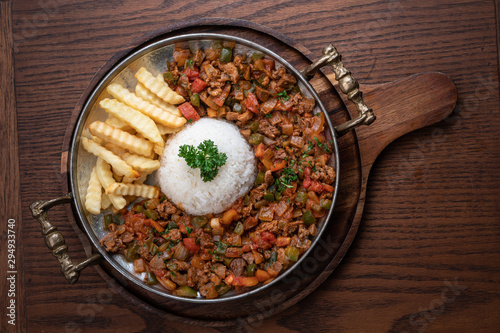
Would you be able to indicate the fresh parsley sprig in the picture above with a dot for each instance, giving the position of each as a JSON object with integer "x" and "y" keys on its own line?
{"x": 283, "y": 95}
{"x": 206, "y": 157}
{"x": 288, "y": 176}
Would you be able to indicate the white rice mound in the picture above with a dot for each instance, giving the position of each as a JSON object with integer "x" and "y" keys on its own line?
{"x": 184, "y": 186}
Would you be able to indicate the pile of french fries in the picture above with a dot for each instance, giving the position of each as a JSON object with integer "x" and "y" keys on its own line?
{"x": 128, "y": 143}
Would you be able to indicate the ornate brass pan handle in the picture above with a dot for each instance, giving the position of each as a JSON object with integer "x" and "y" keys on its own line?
{"x": 55, "y": 241}
{"x": 348, "y": 85}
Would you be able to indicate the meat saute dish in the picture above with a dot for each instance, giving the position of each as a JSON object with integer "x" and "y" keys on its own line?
{"x": 263, "y": 232}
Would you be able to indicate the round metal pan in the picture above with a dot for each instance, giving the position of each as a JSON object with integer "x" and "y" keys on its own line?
{"x": 153, "y": 56}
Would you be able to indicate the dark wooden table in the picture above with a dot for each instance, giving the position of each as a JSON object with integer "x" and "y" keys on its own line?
{"x": 427, "y": 254}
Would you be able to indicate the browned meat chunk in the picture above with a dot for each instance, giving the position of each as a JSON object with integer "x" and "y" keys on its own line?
{"x": 237, "y": 266}
{"x": 280, "y": 154}
{"x": 246, "y": 133}
{"x": 166, "y": 209}
{"x": 269, "y": 226}
{"x": 127, "y": 237}
{"x": 180, "y": 279}
{"x": 198, "y": 57}
{"x": 232, "y": 116}
{"x": 157, "y": 263}
{"x": 324, "y": 174}
{"x": 231, "y": 70}
{"x": 262, "y": 94}
{"x": 303, "y": 232}
{"x": 211, "y": 71}
{"x": 286, "y": 80}
{"x": 268, "y": 178}
{"x": 267, "y": 129}
{"x": 244, "y": 117}
{"x": 192, "y": 276}
{"x": 112, "y": 242}
{"x": 313, "y": 230}
{"x": 174, "y": 235}
{"x": 291, "y": 227}
{"x": 277, "y": 74}
{"x": 256, "y": 194}
{"x": 249, "y": 258}
{"x": 144, "y": 252}
{"x": 306, "y": 105}
{"x": 182, "y": 266}
{"x": 220, "y": 270}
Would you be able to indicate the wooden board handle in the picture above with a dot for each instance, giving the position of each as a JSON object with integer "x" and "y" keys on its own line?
{"x": 402, "y": 106}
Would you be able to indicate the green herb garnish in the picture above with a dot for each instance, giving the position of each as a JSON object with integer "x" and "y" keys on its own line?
{"x": 322, "y": 145}
{"x": 283, "y": 95}
{"x": 288, "y": 176}
{"x": 206, "y": 157}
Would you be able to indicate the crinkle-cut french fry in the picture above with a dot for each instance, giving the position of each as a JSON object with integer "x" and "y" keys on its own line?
{"x": 97, "y": 140}
{"x": 147, "y": 95}
{"x": 139, "y": 180}
{"x": 158, "y": 87}
{"x": 121, "y": 152}
{"x": 116, "y": 162}
{"x": 120, "y": 124}
{"x": 94, "y": 194}
{"x": 105, "y": 202}
{"x": 105, "y": 176}
{"x": 159, "y": 150}
{"x": 142, "y": 123}
{"x": 150, "y": 110}
{"x": 118, "y": 177}
{"x": 115, "y": 149}
{"x": 140, "y": 163}
{"x": 121, "y": 138}
{"x": 140, "y": 190}
{"x": 167, "y": 130}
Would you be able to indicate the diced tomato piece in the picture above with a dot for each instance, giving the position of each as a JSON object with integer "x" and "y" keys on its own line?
{"x": 190, "y": 244}
{"x": 251, "y": 103}
{"x": 247, "y": 248}
{"x": 307, "y": 172}
{"x": 191, "y": 73}
{"x": 319, "y": 187}
{"x": 328, "y": 188}
{"x": 188, "y": 111}
{"x": 261, "y": 243}
{"x": 316, "y": 187}
{"x": 307, "y": 178}
{"x": 268, "y": 237}
{"x": 197, "y": 86}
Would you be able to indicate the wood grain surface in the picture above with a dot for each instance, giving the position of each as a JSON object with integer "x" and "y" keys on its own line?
{"x": 427, "y": 254}
{"x": 11, "y": 247}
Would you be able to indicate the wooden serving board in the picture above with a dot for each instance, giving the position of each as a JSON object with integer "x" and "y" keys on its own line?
{"x": 400, "y": 106}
